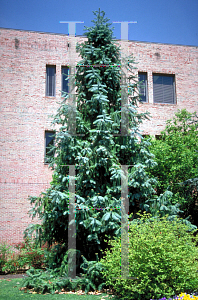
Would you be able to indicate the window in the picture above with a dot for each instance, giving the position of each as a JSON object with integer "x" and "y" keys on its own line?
{"x": 145, "y": 136}
{"x": 164, "y": 89}
{"x": 50, "y": 80}
{"x": 143, "y": 86}
{"x": 49, "y": 141}
{"x": 65, "y": 81}
{"x": 158, "y": 137}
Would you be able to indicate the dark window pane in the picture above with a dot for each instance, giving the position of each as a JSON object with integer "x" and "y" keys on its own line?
{"x": 49, "y": 141}
{"x": 65, "y": 81}
{"x": 163, "y": 89}
{"x": 158, "y": 137}
{"x": 50, "y": 80}
{"x": 143, "y": 87}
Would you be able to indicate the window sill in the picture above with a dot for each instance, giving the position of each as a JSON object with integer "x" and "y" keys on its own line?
{"x": 149, "y": 103}
{"x": 165, "y": 104}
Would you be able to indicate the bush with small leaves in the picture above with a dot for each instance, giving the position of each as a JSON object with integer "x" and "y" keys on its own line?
{"x": 162, "y": 255}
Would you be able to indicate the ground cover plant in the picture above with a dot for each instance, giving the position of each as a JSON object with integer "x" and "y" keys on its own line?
{"x": 52, "y": 280}
{"x": 11, "y": 289}
{"x": 162, "y": 255}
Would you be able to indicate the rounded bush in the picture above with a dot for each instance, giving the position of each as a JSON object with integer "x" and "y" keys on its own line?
{"x": 162, "y": 256}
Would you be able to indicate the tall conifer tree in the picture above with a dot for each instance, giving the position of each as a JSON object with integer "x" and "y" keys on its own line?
{"x": 99, "y": 154}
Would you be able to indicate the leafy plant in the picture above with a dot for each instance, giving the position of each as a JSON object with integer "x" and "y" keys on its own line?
{"x": 5, "y": 252}
{"x": 162, "y": 256}
{"x": 176, "y": 154}
{"x": 65, "y": 261}
{"x": 23, "y": 255}
{"x": 93, "y": 272}
{"x": 55, "y": 255}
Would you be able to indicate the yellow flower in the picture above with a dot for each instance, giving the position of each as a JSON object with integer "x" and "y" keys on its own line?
{"x": 184, "y": 296}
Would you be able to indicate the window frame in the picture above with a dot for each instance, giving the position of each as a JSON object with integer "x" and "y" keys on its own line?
{"x": 173, "y": 88}
{"x": 45, "y": 144}
{"x": 47, "y": 91}
{"x": 62, "y": 80}
{"x": 146, "y": 85}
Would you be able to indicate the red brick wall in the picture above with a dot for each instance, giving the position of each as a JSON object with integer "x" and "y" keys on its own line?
{"x": 182, "y": 61}
{"x": 25, "y": 109}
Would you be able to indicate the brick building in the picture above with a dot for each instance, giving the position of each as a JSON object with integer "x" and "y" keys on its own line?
{"x": 32, "y": 64}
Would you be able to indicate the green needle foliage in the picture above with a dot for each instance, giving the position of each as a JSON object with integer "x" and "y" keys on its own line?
{"x": 97, "y": 155}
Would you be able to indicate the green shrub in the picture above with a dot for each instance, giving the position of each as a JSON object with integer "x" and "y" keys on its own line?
{"x": 5, "y": 252}
{"x": 30, "y": 253}
{"x": 176, "y": 158}
{"x": 21, "y": 256}
{"x": 162, "y": 255}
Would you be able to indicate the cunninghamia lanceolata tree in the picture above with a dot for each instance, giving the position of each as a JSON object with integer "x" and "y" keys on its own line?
{"x": 98, "y": 155}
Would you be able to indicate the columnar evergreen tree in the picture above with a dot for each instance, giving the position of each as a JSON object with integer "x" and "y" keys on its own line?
{"x": 99, "y": 154}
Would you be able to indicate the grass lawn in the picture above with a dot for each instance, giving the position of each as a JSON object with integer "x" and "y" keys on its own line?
{"x": 9, "y": 290}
